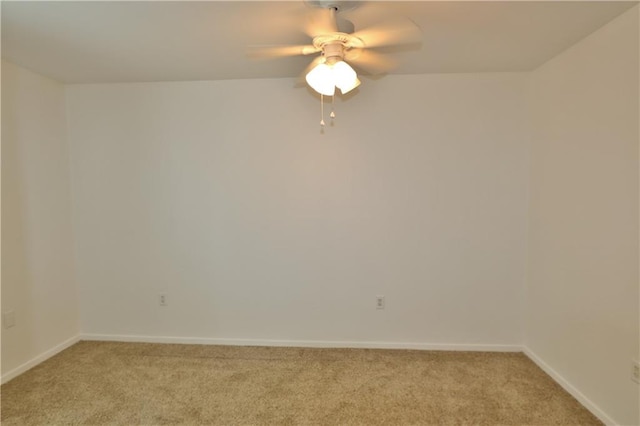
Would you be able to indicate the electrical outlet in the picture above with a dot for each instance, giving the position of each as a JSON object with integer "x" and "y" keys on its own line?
{"x": 635, "y": 371}
{"x": 9, "y": 319}
{"x": 162, "y": 299}
{"x": 379, "y": 302}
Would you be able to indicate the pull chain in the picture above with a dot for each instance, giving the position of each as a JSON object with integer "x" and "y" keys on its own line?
{"x": 322, "y": 110}
{"x": 333, "y": 101}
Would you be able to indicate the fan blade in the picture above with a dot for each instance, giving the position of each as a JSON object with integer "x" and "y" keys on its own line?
{"x": 321, "y": 22}
{"x": 301, "y": 80}
{"x": 371, "y": 62}
{"x": 265, "y": 52}
{"x": 390, "y": 33}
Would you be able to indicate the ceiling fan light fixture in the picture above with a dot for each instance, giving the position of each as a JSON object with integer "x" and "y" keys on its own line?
{"x": 322, "y": 80}
{"x": 347, "y": 89}
{"x": 345, "y": 77}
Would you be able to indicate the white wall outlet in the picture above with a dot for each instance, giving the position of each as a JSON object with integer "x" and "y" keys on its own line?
{"x": 162, "y": 299}
{"x": 8, "y": 319}
{"x": 379, "y": 302}
{"x": 635, "y": 371}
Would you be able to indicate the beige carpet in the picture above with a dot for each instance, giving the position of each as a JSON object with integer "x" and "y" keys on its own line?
{"x": 137, "y": 383}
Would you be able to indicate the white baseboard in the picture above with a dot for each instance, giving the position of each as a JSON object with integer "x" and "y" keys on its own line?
{"x": 586, "y": 402}
{"x": 38, "y": 359}
{"x": 304, "y": 343}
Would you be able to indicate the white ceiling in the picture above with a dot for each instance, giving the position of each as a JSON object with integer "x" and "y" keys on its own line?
{"x": 82, "y": 42}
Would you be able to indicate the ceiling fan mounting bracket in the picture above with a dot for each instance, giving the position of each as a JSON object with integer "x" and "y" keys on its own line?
{"x": 337, "y": 5}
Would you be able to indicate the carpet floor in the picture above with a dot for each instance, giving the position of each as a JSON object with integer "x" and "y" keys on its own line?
{"x": 153, "y": 384}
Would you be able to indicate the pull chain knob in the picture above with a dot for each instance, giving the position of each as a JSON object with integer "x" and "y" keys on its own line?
{"x": 333, "y": 102}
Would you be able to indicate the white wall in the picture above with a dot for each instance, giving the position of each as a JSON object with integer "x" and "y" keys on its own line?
{"x": 226, "y": 197}
{"x": 38, "y": 282}
{"x": 582, "y": 301}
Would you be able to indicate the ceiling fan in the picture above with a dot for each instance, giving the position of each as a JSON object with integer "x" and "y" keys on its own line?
{"x": 339, "y": 46}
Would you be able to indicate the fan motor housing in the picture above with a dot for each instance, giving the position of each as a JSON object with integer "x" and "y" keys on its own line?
{"x": 345, "y": 40}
